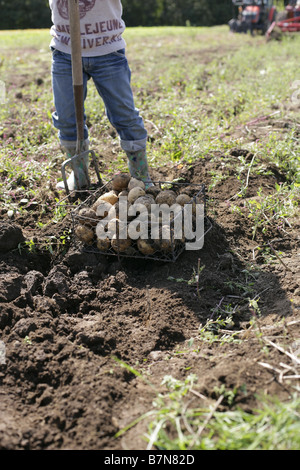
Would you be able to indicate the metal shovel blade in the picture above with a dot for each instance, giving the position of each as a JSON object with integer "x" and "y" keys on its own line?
{"x": 78, "y": 163}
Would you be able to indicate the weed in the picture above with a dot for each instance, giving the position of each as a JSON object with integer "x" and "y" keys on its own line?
{"x": 30, "y": 245}
{"x": 217, "y": 331}
{"x": 194, "y": 279}
{"x": 272, "y": 212}
{"x": 228, "y": 395}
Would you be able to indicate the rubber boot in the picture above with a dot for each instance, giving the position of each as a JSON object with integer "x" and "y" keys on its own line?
{"x": 70, "y": 151}
{"x": 138, "y": 166}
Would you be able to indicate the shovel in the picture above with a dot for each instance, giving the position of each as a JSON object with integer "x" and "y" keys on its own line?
{"x": 78, "y": 160}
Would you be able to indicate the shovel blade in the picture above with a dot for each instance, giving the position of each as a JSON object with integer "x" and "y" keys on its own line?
{"x": 78, "y": 163}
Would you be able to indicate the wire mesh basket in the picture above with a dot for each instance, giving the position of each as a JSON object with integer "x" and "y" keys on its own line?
{"x": 142, "y": 235}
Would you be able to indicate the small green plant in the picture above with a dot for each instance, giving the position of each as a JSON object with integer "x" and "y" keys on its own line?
{"x": 228, "y": 395}
{"x": 255, "y": 323}
{"x": 30, "y": 245}
{"x": 60, "y": 211}
{"x": 272, "y": 212}
{"x": 216, "y": 178}
{"x": 194, "y": 279}
{"x": 216, "y": 331}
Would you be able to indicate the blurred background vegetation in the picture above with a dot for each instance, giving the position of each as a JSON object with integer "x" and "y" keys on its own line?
{"x": 23, "y": 14}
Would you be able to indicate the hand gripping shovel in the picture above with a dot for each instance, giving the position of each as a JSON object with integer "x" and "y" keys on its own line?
{"x": 78, "y": 161}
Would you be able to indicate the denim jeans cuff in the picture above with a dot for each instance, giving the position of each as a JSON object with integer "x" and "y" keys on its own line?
{"x": 71, "y": 143}
{"x": 133, "y": 145}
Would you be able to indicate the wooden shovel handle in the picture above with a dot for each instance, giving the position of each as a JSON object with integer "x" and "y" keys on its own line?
{"x": 77, "y": 75}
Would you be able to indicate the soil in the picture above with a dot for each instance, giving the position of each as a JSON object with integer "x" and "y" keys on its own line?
{"x": 65, "y": 319}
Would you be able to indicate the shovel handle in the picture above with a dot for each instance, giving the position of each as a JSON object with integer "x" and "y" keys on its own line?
{"x": 77, "y": 74}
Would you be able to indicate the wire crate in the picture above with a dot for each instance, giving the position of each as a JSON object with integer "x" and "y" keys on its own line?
{"x": 139, "y": 248}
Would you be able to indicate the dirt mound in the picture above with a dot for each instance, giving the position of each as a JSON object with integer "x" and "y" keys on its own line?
{"x": 65, "y": 321}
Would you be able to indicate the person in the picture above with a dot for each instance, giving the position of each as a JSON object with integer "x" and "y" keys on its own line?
{"x": 104, "y": 61}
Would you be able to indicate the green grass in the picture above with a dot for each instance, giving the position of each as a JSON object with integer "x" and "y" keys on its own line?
{"x": 18, "y": 39}
{"x": 174, "y": 424}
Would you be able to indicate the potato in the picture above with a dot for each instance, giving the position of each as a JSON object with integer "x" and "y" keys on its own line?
{"x": 130, "y": 215}
{"x": 141, "y": 228}
{"x": 102, "y": 229}
{"x": 166, "y": 197}
{"x": 122, "y": 206}
{"x": 84, "y": 234}
{"x": 183, "y": 199}
{"x": 109, "y": 228}
{"x": 102, "y": 208}
{"x": 131, "y": 251}
{"x": 120, "y": 245}
{"x": 135, "y": 193}
{"x": 145, "y": 201}
{"x": 113, "y": 212}
{"x": 134, "y": 182}
{"x": 153, "y": 191}
{"x": 165, "y": 242}
{"x": 103, "y": 244}
{"x": 110, "y": 197}
{"x": 87, "y": 216}
{"x": 146, "y": 247}
{"x": 143, "y": 217}
{"x": 112, "y": 227}
{"x": 116, "y": 226}
{"x": 120, "y": 181}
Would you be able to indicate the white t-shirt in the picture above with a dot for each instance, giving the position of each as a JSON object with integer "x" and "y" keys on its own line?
{"x": 101, "y": 26}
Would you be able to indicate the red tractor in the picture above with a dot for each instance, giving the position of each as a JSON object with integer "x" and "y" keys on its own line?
{"x": 261, "y": 15}
{"x": 287, "y": 21}
{"x": 252, "y": 16}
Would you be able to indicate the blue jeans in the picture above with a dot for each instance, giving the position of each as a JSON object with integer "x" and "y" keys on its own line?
{"x": 111, "y": 75}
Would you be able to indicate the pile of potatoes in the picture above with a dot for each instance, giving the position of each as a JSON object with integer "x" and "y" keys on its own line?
{"x": 89, "y": 227}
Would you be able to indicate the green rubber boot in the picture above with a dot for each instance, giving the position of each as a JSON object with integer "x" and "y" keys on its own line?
{"x": 138, "y": 166}
{"x": 70, "y": 151}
